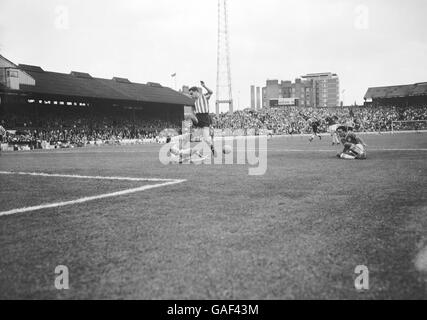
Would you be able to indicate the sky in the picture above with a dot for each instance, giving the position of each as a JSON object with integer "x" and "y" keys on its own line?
{"x": 367, "y": 43}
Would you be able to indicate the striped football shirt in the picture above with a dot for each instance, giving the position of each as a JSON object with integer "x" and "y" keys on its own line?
{"x": 202, "y": 104}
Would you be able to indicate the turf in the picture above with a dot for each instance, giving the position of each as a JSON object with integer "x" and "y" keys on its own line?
{"x": 297, "y": 232}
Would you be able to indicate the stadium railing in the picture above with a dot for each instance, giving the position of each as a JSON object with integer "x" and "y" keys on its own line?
{"x": 413, "y": 125}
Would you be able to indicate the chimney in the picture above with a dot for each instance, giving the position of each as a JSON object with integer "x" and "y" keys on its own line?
{"x": 252, "y": 97}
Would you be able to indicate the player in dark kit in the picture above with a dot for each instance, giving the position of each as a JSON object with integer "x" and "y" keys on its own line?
{"x": 354, "y": 147}
{"x": 315, "y": 124}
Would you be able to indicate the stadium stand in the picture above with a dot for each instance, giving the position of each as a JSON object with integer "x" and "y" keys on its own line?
{"x": 39, "y": 106}
{"x": 55, "y": 127}
{"x": 292, "y": 120}
{"x": 402, "y": 95}
{"x": 43, "y": 109}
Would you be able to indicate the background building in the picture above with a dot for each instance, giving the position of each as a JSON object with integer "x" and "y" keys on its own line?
{"x": 32, "y": 91}
{"x": 318, "y": 90}
{"x": 271, "y": 93}
{"x": 253, "y": 97}
{"x": 325, "y": 89}
{"x": 403, "y": 95}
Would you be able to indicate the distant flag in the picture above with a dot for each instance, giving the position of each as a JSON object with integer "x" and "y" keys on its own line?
{"x": 174, "y": 77}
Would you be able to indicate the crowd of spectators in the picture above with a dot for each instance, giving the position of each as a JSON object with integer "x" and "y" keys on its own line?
{"x": 293, "y": 120}
{"x": 78, "y": 130}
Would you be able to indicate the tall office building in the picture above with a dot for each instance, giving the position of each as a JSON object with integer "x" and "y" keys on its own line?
{"x": 326, "y": 89}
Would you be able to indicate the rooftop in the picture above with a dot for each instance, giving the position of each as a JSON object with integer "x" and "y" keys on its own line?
{"x": 83, "y": 85}
{"x": 417, "y": 89}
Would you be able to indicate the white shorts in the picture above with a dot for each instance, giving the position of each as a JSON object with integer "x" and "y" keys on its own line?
{"x": 358, "y": 148}
{"x": 333, "y": 128}
{"x": 346, "y": 156}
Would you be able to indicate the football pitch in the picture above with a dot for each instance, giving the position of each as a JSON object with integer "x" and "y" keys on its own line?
{"x": 128, "y": 227}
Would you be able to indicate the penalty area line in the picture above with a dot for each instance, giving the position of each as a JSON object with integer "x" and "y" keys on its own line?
{"x": 168, "y": 182}
{"x": 40, "y": 174}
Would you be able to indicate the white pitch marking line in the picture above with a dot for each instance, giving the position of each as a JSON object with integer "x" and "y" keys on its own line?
{"x": 73, "y": 151}
{"x": 321, "y": 150}
{"x": 154, "y": 151}
{"x": 87, "y": 199}
{"x": 37, "y": 174}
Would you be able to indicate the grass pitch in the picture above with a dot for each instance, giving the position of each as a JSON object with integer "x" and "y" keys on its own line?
{"x": 297, "y": 232}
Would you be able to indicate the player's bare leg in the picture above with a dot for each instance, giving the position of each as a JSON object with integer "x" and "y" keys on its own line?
{"x": 315, "y": 134}
{"x": 208, "y": 139}
{"x": 335, "y": 140}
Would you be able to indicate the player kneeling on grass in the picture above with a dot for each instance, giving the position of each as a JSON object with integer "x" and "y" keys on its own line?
{"x": 354, "y": 147}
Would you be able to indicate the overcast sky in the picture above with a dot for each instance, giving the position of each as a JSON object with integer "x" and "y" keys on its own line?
{"x": 367, "y": 43}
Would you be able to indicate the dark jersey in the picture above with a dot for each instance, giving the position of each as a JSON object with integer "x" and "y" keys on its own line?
{"x": 350, "y": 138}
{"x": 331, "y": 121}
{"x": 315, "y": 124}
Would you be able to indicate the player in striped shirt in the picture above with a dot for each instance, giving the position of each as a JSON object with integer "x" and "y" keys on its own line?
{"x": 202, "y": 119}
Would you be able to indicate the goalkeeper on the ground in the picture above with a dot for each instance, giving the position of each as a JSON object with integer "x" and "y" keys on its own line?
{"x": 354, "y": 147}
{"x": 180, "y": 150}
